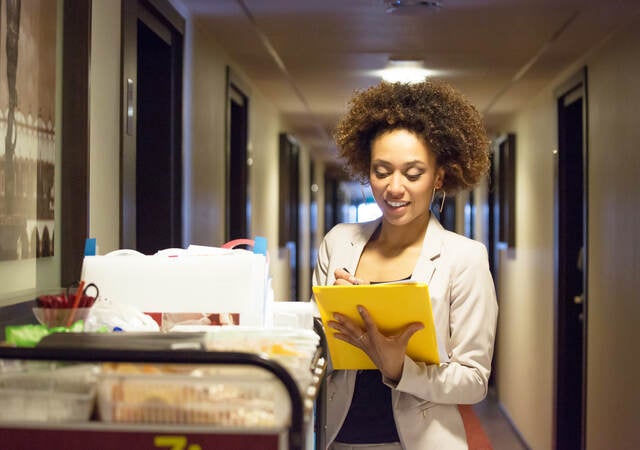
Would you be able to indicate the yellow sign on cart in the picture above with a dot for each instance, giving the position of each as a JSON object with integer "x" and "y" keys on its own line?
{"x": 392, "y": 306}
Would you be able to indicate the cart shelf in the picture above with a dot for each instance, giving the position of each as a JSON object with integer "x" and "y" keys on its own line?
{"x": 97, "y": 434}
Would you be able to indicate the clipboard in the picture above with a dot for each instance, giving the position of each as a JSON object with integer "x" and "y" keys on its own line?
{"x": 392, "y": 306}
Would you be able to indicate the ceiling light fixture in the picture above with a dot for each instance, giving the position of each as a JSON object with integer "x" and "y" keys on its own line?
{"x": 411, "y": 5}
{"x": 404, "y": 71}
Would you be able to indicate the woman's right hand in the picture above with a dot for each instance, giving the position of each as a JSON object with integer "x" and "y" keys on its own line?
{"x": 344, "y": 278}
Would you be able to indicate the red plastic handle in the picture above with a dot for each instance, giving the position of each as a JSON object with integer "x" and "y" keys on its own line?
{"x": 236, "y": 242}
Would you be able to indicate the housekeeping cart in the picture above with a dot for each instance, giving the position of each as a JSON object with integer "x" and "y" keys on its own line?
{"x": 150, "y": 391}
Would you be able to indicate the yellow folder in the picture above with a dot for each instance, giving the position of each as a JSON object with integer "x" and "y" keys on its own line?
{"x": 392, "y": 306}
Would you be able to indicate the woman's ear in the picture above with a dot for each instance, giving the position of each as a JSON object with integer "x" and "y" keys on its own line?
{"x": 439, "y": 178}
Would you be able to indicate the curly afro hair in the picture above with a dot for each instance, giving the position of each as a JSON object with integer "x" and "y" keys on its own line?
{"x": 448, "y": 124}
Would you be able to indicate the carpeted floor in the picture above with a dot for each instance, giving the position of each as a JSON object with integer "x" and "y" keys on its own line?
{"x": 496, "y": 425}
{"x": 477, "y": 439}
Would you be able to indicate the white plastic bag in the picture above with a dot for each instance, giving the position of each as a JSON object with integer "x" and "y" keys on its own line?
{"x": 116, "y": 315}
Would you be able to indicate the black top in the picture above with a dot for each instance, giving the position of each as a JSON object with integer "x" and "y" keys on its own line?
{"x": 370, "y": 417}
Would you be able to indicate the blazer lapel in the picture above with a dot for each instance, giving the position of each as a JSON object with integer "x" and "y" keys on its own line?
{"x": 357, "y": 243}
{"x": 431, "y": 249}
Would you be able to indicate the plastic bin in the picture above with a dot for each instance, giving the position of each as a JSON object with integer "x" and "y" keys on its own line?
{"x": 57, "y": 395}
{"x": 227, "y": 397}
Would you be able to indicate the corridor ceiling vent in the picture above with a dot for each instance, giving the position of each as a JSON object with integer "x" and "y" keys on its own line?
{"x": 404, "y": 71}
{"x": 411, "y": 6}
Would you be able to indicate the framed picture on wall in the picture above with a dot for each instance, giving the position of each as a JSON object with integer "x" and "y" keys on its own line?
{"x": 506, "y": 188}
{"x": 27, "y": 129}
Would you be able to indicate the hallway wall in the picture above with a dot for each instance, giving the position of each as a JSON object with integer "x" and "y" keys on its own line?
{"x": 525, "y": 284}
{"x": 613, "y": 371}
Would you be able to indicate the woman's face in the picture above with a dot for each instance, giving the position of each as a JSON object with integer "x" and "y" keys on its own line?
{"x": 402, "y": 175}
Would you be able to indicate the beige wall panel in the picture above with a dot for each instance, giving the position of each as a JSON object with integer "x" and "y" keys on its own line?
{"x": 613, "y": 372}
{"x": 205, "y": 141}
{"x": 264, "y": 128}
{"x": 104, "y": 125}
{"x": 524, "y": 361}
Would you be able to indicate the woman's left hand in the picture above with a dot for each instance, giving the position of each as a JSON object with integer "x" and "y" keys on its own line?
{"x": 386, "y": 352}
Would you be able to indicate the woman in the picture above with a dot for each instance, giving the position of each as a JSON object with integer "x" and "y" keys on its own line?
{"x": 409, "y": 142}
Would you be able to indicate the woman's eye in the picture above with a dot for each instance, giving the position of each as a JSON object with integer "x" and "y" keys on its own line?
{"x": 379, "y": 174}
{"x": 413, "y": 177}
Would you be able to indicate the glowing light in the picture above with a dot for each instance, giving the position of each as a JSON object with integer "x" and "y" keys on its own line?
{"x": 404, "y": 72}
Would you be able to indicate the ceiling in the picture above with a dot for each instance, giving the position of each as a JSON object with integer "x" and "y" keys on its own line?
{"x": 308, "y": 56}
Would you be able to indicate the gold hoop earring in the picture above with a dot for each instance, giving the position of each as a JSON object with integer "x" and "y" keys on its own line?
{"x": 444, "y": 195}
{"x": 433, "y": 196}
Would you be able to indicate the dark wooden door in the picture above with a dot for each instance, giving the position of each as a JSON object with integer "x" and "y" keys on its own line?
{"x": 151, "y": 167}
{"x": 238, "y": 199}
{"x": 571, "y": 262}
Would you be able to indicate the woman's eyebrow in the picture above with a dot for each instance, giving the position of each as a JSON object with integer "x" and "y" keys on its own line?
{"x": 415, "y": 162}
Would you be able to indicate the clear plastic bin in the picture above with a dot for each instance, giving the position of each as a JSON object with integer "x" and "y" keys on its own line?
{"x": 57, "y": 395}
{"x": 224, "y": 396}
{"x": 293, "y": 348}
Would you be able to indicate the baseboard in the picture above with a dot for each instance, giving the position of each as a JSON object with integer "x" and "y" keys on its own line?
{"x": 515, "y": 429}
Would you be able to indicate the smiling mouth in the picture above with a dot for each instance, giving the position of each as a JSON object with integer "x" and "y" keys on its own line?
{"x": 396, "y": 204}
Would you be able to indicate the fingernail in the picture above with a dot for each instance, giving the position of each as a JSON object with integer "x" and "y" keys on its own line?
{"x": 360, "y": 310}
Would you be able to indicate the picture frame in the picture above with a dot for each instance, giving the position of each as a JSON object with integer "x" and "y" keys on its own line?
{"x": 505, "y": 160}
{"x": 74, "y": 138}
{"x": 27, "y": 129}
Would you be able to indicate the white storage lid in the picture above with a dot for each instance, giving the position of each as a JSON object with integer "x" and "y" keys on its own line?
{"x": 191, "y": 280}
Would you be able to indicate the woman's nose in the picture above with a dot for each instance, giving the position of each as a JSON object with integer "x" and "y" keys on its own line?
{"x": 395, "y": 184}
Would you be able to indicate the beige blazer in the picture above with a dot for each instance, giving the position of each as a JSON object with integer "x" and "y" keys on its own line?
{"x": 465, "y": 313}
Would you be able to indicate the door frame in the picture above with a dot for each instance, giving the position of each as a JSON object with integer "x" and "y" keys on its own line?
{"x": 289, "y": 207}
{"x": 164, "y": 12}
{"x": 237, "y": 90}
{"x": 74, "y": 212}
{"x": 575, "y": 85}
